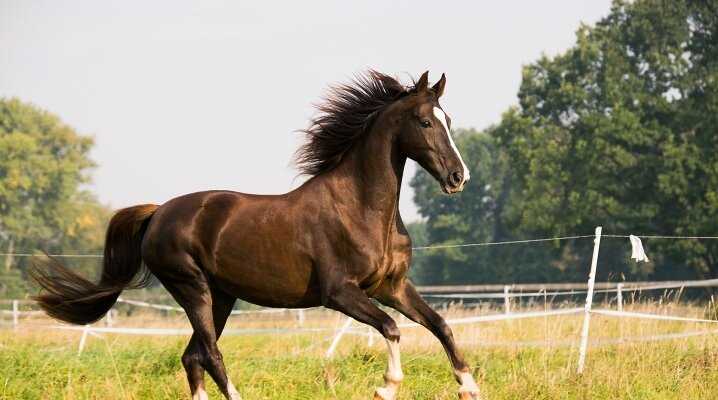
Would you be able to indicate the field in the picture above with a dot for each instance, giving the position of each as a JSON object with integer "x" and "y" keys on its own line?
{"x": 519, "y": 359}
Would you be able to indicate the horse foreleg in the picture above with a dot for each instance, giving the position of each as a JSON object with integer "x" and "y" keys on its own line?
{"x": 405, "y": 299}
{"x": 352, "y": 301}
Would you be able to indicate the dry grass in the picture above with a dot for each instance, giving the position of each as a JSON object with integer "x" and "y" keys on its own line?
{"x": 519, "y": 359}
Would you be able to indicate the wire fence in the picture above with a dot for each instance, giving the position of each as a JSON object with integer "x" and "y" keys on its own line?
{"x": 505, "y": 292}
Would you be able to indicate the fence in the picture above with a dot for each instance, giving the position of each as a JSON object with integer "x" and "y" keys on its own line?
{"x": 505, "y": 292}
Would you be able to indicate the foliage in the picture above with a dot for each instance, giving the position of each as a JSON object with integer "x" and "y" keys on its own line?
{"x": 43, "y": 164}
{"x": 618, "y": 131}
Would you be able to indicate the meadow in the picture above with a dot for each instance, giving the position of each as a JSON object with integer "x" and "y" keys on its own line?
{"x": 518, "y": 359}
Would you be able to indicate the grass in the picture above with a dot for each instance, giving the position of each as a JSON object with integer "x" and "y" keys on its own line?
{"x": 41, "y": 364}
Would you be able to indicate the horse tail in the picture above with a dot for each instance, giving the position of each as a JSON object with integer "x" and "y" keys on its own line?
{"x": 69, "y": 297}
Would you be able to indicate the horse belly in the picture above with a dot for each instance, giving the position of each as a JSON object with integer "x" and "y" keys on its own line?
{"x": 267, "y": 276}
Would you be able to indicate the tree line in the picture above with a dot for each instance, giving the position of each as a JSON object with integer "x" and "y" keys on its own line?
{"x": 619, "y": 131}
{"x": 44, "y": 164}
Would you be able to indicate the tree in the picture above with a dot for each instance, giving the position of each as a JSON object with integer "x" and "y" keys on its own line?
{"x": 43, "y": 164}
{"x": 482, "y": 213}
{"x": 618, "y": 131}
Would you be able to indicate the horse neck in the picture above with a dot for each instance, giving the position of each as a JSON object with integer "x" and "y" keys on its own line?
{"x": 371, "y": 172}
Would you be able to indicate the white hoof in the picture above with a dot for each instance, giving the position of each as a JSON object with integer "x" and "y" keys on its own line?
{"x": 385, "y": 393}
{"x": 469, "y": 395}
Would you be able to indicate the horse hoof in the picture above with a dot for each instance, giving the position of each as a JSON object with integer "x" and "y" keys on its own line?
{"x": 384, "y": 394}
{"x": 469, "y": 396}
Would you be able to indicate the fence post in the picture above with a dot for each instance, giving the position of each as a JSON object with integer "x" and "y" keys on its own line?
{"x": 507, "y": 299}
{"x": 108, "y": 318}
{"x": 300, "y": 317}
{"x": 81, "y": 346}
{"x": 619, "y": 305}
{"x": 589, "y": 302}
{"x": 15, "y": 314}
{"x": 370, "y": 341}
{"x": 338, "y": 337}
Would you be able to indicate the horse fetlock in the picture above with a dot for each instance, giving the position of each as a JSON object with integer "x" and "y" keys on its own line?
{"x": 395, "y": 377}
{"x": 189, "y": 360}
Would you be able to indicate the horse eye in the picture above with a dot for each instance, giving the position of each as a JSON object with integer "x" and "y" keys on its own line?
{"x": 425, "y": 123}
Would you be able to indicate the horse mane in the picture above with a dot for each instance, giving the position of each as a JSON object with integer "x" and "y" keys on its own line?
{"x": 346, "y": 113}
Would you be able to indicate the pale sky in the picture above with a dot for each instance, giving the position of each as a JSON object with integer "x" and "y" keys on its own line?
{"x": 188, "y": 96}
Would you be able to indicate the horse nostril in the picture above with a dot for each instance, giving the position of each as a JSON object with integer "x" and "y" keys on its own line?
{"x": 455, "y": 178}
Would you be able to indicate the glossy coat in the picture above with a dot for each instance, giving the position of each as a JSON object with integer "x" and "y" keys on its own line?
{"x": 336, "y": 241}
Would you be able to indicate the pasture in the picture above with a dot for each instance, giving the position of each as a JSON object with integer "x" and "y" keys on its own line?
{"x": 517, "y": 359}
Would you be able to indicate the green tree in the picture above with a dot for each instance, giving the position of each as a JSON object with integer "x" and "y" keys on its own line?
{"x": 618, "y": 131}
{"x": 43, "y": 164}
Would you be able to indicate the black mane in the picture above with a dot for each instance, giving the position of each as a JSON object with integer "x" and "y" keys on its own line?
{"x": 346, "y": 113}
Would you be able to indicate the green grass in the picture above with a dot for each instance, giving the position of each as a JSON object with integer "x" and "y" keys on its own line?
{"x": 45, "y": 365}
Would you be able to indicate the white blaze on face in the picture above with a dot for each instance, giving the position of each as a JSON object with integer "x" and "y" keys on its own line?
{"x": 439, "y": 114}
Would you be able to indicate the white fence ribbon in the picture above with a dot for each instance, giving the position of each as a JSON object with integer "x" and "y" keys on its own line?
{"x": 637, "y": 252}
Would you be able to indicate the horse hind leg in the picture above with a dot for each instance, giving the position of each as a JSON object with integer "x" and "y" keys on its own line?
{"x": 195, "y": 372}
{"x": 188, "y": 284}
{"x": 222, "y": 305}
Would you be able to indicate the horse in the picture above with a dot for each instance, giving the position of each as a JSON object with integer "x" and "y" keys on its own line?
{"x": 336, "y": 241}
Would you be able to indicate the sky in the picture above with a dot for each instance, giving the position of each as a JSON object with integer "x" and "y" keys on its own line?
{"x": 189, "y": 96}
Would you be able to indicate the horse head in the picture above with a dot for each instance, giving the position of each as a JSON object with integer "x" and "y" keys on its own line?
{"x": 424, "y": 135}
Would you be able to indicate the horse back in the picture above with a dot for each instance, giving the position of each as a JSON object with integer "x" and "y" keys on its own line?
{"x": 252, "y": 246}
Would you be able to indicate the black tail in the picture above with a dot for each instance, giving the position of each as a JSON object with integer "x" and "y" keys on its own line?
{"x": 69, "y": 297}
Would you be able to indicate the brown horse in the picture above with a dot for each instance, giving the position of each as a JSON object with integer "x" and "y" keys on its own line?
{"x": 337, "y": 241}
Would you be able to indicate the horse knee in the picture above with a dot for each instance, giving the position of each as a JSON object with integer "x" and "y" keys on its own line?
{"x": 445, "y": 330}
{"x": 390, "y": 331}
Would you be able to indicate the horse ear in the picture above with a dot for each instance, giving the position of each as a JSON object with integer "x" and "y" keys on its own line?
{"x": 423, "y": 82}
{"x": 439, "y": 86}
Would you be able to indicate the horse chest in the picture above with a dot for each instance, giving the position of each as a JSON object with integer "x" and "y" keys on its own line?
{"x": 391, "y": 265}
